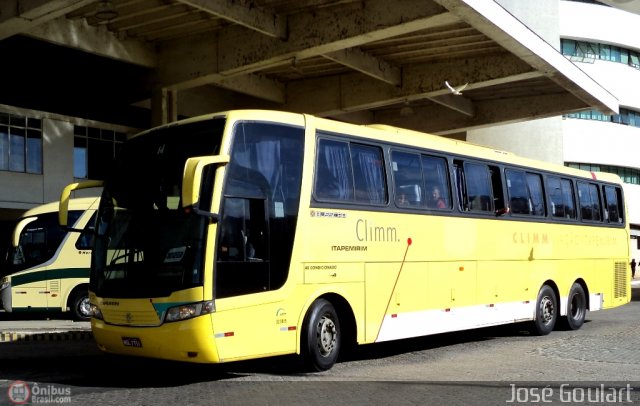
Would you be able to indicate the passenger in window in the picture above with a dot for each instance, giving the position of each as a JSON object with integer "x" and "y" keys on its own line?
{"x": 436, "y": 199}
{"x": 402, "y": 200}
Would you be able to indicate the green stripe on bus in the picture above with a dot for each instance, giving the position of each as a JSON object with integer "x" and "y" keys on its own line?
{"x": 63, "y": 273}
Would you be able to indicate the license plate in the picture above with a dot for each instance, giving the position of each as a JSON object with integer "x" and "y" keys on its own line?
{"x": 131, "y": 342}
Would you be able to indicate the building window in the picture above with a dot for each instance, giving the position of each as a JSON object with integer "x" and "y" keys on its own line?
{"x": 93, "y": 151}
{"x": 583, "y": 51}
{"x": 626, "y": 117}
{"x": 628, "y": 175}
{"x": 20, "y": 143}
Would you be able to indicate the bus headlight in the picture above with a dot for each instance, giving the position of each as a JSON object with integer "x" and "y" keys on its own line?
{"x": 96, "y": 312}
{"x": 189, "y": 311}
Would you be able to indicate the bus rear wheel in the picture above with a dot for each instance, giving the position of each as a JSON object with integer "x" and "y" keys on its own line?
{"x": 321, "y": 337}
{"x": 546, "y": 311}
{"x": 576, "y": 307}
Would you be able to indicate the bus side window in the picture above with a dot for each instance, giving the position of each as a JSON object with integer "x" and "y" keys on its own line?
{"x": 519, "y": 202}
{"x": 369, "y": 174}
{"x": 589, "y": 199}
{"x": 460, "y": 186}
{"x": 497, "y": 189}
{"x": 436, "y": 174}
{"x": 613, "y": 204}
{"x": 561, "y": 198}
{"x": 479, "y": 185}
{"x": 407, "y": 179}
{"x": 536, "y": 194}
{"x": 555, "y": 197}
{"x": 568, "y": 197}
{"x": 334, "y": 176}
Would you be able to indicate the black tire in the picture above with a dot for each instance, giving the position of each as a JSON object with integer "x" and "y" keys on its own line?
{"x": 576, "y": 307}
{"x": 80, "y": 309}
{"x": 546, "y": 312}
{"x": 321, "y": 336}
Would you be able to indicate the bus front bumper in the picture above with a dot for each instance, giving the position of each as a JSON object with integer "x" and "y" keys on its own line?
{"x": 188, "y": 340}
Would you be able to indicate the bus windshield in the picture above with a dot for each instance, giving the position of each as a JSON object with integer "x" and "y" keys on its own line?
{"x": 40, "y": 237}
{"x": 146, "y": 245}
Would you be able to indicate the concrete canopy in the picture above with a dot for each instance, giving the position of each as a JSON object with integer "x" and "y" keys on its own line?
{"x": 373, "y": 61}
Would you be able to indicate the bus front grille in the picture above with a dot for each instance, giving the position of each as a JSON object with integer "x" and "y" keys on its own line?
{"x": 131, "y": 318}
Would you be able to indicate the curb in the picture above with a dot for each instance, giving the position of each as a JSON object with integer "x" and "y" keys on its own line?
{"x": 48, "y": 336}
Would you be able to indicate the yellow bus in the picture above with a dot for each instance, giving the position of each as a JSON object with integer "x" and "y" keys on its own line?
{"x": 252, "y": 233}
{"x": 47, "y": 267}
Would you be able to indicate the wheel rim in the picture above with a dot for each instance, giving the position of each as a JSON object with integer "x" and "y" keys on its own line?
{"x": 327, "y": 336}
{"x": 84, "y": 307}
{"x": 547, "y": 310}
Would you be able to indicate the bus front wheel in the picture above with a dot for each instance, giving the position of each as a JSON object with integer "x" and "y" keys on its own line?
{"x": 546, "y": 311}
{"x": 80, "y": 306}
{"x": 321, "y": 336}
{"x": 576, "y": 307}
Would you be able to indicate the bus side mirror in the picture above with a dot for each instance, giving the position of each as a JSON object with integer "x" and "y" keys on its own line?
{"x": 63, "y": 210}
{"x": 192, "y": 180}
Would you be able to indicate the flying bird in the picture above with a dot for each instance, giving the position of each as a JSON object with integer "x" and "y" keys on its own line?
{"x": 455, "y": 90}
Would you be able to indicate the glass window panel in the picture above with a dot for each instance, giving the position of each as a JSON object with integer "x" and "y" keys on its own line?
{"x": 568, "y": 47}
{"x": 568, "y": 198}
{"x": 584, "y": 198}
{"x": 4, "y": 148}
{"x": 519, "y": 202}
{"x": 407, "y": 179}
{"x": 555, "y": 197}
{"x": 478, "y": 187}
{"x": 624, "y": 56}
{"x": 436, "y": 177}
{"x": 34, "y": 123}
{"x": 615, "y": 54}
{"x": 596, "y": 209}
{"x": 93, "y": 132}
{"x": 107, "y": 135}
{"x": 536, "y": 192}
{"x": 334, "y": 176}
{"x": 368, "y": 174}
{"x": 100, "y": 154}
{"x": 80, "y": 162}
{"x": 17, "y": 150}
{"x": 34, "y": 151}
{"x": 18, "y": 121}
{"x": 613, "y": 204}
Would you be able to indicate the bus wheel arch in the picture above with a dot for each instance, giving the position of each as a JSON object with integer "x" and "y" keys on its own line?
{"x": 78, "y": 303}
{"x": 577, "y": 305}
{"x": 328, "y": 328}
{"x": 547, "y": 310}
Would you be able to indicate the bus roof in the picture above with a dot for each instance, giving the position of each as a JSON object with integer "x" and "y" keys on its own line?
{"x": 80, "y": 203}
{"x": 400, "y": 136}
